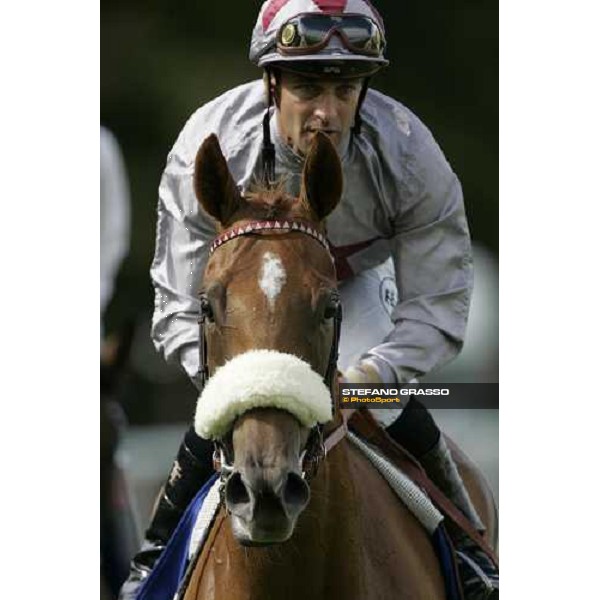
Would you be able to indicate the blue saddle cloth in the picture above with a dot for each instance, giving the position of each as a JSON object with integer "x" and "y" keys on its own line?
{"x": 166, "y": 577}
{"x": 444, "y": 551}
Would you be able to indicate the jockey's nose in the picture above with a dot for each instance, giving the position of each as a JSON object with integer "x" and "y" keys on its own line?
{"x": 326, "y": 108}
{"x": 268, "y": 493}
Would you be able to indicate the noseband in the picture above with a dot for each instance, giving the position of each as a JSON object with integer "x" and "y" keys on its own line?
{"x": 316, "y": 447}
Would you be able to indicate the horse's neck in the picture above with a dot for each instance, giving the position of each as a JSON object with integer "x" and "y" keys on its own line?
{"x": 354, "y": 541}
{"x": 318, "y": 562}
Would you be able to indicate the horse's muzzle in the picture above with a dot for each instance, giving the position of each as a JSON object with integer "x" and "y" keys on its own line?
{"x": 265, "y": 504}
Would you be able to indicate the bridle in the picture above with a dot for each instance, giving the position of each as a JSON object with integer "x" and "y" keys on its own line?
{"x": 317, "y": 447}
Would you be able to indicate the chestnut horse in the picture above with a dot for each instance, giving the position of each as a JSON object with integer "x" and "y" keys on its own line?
{"x": 347, "y": 536}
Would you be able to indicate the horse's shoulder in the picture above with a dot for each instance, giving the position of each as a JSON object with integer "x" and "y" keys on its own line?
{"x": 387, "y": 523}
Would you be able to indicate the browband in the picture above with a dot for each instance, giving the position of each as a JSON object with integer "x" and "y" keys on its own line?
{"x": 240, "y": 230}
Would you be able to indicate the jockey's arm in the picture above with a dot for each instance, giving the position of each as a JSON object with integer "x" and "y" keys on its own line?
{"x": 183, "y": 231}
{"x": 431, "y": 250}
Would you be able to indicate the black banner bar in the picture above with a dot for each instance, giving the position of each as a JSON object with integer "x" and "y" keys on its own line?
{"x": 431, "y": 395}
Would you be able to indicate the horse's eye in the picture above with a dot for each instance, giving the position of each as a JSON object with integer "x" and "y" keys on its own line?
{"x": 206, "y": 309}
{"x": 333, "y": 306}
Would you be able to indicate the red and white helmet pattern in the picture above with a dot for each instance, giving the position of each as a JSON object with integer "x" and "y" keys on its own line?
{"x": 274, "y": 13}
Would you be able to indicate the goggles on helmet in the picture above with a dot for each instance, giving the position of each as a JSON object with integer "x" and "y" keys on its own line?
{"x": 309, "y": 33}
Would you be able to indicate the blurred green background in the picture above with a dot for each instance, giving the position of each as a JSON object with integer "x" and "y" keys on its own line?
{"x": 161, "y": 60}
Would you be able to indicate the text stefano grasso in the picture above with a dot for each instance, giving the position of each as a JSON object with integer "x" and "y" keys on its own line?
{"x": 406, "y": 391}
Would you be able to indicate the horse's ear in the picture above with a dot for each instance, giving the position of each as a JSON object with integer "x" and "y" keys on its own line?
{"x": 322, "y": 178}
{"x": 214, "y": 186}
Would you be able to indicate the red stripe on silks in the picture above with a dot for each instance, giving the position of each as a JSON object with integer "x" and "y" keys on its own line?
{"x": 271, "y": 11}
{"x": 344, "y": 251}
{"x": 341, "y": 253}
{"x": 343, "y": 270}
{"x": 331, "y": 6}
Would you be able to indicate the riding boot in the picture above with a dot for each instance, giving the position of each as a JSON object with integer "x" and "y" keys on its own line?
{"x": 191, "y": 469}
{"x": 416, "y": 431}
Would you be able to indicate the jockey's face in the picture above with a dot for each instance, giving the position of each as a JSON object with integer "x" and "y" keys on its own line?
{"x": 307, "y": 105}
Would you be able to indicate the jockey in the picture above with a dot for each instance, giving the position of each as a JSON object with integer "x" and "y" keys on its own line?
{"x": 399, "y": 234}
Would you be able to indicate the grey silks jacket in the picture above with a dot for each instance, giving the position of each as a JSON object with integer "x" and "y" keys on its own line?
{"x": 401, "y": 198}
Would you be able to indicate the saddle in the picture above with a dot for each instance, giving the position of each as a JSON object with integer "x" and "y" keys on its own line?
{"x": 365, "y": 426}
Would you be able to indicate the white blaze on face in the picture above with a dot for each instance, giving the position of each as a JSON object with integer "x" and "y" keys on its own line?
{"x": 272, "y": 277}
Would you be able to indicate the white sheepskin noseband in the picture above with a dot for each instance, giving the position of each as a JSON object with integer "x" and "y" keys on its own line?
{"x": 261, "y": 378}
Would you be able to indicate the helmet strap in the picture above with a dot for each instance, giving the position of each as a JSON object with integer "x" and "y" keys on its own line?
{"x": 357, "y": 118}
{"x": 268, "y": 149}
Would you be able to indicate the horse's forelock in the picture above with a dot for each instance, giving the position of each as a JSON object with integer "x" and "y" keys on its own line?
{"x": 272, "y": 202}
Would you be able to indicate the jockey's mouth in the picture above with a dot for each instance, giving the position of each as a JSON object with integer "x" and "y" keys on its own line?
{"x": 313, "y": 130}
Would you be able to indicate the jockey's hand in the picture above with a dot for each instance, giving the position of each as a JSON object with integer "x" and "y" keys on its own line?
{"x": 361, "y": 373}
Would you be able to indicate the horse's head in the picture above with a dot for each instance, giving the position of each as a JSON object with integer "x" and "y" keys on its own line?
{"x": 269, "y": 299}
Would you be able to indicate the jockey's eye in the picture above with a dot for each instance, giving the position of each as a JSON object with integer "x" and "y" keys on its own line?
{"x": 347, "y": 92}
{"x": 306, "y": 91}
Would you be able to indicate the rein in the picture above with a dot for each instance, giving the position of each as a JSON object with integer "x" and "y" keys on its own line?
{"x": 316, "y": 448}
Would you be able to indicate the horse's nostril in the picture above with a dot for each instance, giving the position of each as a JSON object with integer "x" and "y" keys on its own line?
{"x": 296, "y": 491}
{"x": 235, "y": 491}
